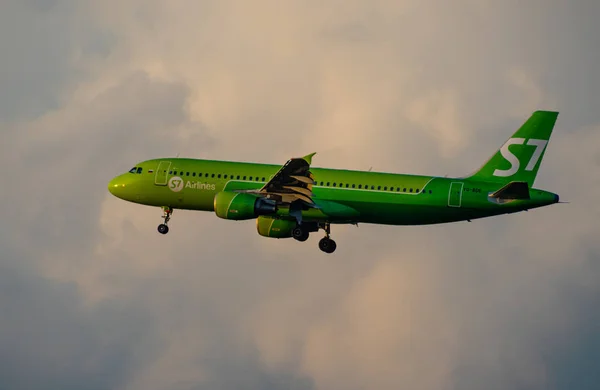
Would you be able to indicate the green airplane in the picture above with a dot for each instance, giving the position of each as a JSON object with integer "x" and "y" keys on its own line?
{"x": 295, "y": 199}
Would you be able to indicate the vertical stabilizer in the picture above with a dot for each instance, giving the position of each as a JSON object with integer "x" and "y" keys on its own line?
{"x": 521, "y": 156}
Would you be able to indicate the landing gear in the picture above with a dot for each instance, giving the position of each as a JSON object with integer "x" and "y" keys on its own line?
{"x": 163, "y": 228}
{"x": 300, "y": 234}
{"x": 326, "y": 244}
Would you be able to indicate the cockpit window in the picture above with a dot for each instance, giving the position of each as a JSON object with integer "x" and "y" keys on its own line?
{"x": 139, "y": 170}
{"x": 132, "y": 170}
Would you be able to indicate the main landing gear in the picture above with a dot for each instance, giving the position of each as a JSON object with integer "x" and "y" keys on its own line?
{"x": 326, "y": 244}
{"x": 163, "y": 228}
{"x": 300, "y": 233}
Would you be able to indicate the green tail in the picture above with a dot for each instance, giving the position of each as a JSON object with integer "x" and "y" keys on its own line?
{"x": 527, "y": 147}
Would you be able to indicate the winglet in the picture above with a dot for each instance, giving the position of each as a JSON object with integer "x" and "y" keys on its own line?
{"x": 308, "y": 158}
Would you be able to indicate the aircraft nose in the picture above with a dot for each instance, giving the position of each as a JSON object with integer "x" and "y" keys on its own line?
{"x": 116, "y": 187}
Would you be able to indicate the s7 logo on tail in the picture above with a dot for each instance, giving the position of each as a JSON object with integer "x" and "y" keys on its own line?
{"x": 514, "y": 161}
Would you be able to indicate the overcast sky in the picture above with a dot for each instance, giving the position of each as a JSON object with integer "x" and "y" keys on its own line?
{"x": 92, "y": 297}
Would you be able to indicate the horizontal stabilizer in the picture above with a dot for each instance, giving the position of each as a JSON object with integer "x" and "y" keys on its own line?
{"x": 513, "y": 190}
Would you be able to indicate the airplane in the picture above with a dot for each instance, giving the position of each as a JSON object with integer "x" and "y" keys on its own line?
{"x": 294, "y": 200}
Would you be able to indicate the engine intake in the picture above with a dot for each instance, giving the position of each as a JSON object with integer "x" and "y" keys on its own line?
{"x": 240, "y": 206}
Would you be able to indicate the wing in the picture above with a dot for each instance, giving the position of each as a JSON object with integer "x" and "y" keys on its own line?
{"x": 292, "y": 182}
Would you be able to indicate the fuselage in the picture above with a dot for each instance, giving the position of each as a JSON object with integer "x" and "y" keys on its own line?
{"x": 352, "y": 196}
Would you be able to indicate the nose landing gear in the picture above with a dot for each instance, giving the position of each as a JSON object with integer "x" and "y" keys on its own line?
{"x": 163, "y": 228}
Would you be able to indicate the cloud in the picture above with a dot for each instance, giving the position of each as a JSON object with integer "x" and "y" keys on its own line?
{"x": 44, "y": 44}
{"x": 96, "y": 299}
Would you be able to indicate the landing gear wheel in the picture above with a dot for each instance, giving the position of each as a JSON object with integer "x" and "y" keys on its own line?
{"x": 300, "y": 234}
{"x": 163, "y": 228}
{"x": 327, "y": 245}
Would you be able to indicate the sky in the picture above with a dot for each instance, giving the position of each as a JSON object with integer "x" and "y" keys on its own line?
{"x": 92, "y": 297}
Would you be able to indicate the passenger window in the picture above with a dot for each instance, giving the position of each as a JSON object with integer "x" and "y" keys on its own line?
{"x": 378, "y": 187}
{"x": 187, "y": 173}
{"x": 250, "y": 178}
{"x": 353, "y": 185}
{"x": 391, "y": 188}
{"x": 404, "y": 190}
{"x": 170, "y": 172}
{"x": 397, "y": 189}
{"x": 372, "y": 187}
{"x": 244, "y": 177}
{"x": 334, "y": 184}
{"x": 238, "y": 177}
{"x": 347, "y": 185}
{"x": 360, "y": 186}
{"x": 321, "y": 184}
{"x": 263, "y": 179}
{"x": 193, "y": 174}
{"x": 410, "y": 190}
{"x": 219, "y": 176}
{"x": 327, "y": 184}
{"x": 430, "y": 191}
{"x": 225, "y": 177}
{"x": 212, "y": 175}
{"x": 385, "y": 188}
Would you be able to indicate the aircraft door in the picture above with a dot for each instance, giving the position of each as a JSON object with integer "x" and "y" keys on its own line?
{"x": 162, "y": 173}
{"x": 455, "y": 194}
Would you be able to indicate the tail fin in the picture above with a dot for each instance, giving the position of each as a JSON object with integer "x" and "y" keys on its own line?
{"x": 527, "y": 147}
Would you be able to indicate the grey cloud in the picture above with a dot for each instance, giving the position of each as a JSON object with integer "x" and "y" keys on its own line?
{"x": 42, "y": 43}
{"x": 126, "y": 124}
{"x": 49, "y": 340}
{"x": 49, "y": 337}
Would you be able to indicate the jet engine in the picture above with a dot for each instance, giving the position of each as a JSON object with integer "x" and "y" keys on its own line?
{"x": 239, "y": 206}
{"x": 274, "y": 228}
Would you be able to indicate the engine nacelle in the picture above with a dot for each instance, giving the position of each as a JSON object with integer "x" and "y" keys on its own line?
{"x": 274, "y": 228}
{"x": 239, "y": 206}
